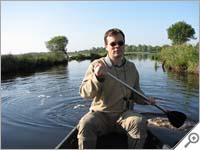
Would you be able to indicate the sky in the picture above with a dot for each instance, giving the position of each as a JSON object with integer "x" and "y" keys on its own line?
{"x": 27, "y": 25}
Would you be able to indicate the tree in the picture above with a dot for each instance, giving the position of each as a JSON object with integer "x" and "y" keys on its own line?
{"x": 57, "y": 44}
{"x": 180, "y": 32}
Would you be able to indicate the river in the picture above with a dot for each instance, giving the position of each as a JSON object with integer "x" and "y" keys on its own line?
{"x": 40, "y": 109}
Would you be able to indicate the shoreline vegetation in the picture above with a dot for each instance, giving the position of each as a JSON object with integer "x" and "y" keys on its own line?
{"x": 178, "y": 58}
{"x": 12, "y": 65}
{"x": 181, "y": 58}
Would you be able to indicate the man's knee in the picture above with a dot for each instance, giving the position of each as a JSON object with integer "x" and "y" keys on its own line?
{"x": 86, "y": 127}
{"x": 89, "y": 127}
{"x": 134, "y": 120}
{"x": 91, "y": 124}
{"x": 86, "y": 134}
{"x": 86, "y": 122}
{"x": 139, "y": 128}
{"x": 138, "y": 132}
{"x": 135, "y": 124}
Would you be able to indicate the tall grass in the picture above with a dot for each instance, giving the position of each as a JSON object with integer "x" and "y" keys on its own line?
{"x": 181, "y": 58}
{"x": 12, "y": 64}
{"x": 79, "y": 56}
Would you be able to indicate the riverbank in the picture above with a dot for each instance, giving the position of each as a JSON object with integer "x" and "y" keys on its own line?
{"x": 80, "y": 56}
{"x": 181, "y": 58}
{"x": 29, "y": 63}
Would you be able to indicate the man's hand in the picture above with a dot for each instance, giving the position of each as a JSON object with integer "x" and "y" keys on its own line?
{"x": 100, "y": 69}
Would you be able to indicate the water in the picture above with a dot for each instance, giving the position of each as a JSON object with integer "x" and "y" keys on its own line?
{"x": 40, "y": 109}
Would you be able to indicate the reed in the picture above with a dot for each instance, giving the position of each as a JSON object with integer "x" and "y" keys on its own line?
{"x": 12, "y": 64}
{"x": 181, "y": 58}
{"x": 80, "y": 56}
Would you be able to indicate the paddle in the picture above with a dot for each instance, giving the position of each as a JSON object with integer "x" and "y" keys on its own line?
{"x": 175, "y": 118}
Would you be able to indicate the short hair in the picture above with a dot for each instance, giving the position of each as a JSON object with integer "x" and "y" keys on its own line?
{"x": 111, "y": 32}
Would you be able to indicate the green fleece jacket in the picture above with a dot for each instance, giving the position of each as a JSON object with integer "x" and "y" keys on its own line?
{"x": 109, "y": 95}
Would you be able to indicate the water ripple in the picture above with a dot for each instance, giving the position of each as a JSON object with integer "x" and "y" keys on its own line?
{"x": 49, "y": 101}
{"x": 67, "y": 114}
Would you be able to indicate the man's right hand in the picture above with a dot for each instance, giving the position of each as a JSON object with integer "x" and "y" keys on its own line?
{"x": 100, "y": 69}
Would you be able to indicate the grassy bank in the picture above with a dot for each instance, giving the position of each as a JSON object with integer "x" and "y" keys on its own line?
{"x": 79, "y": 56}
{"x": 181, "y": 58}
{"x": 14, "y": 64}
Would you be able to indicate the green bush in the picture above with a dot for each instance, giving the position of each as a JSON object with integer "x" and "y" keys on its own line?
{"x": 182, "y": 58}
{"x": 8, "y": 63}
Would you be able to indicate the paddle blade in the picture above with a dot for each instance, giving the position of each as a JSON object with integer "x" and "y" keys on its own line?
{"x": 176, "y": 118}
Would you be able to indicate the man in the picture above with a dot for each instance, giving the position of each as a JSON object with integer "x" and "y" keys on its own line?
{"x": 109, "y": 109}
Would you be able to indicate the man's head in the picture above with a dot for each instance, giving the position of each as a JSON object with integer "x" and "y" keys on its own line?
{"x": 111, "y": 32}
{"x": 115, "y": 43}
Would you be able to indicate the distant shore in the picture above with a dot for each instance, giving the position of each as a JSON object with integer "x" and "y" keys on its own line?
{"x": 182, "y": 58}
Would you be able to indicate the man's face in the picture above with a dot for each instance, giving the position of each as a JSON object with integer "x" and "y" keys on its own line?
{"x": 115, "y": 46}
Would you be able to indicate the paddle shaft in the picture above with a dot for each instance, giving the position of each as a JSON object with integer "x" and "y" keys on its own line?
{"x": 135, "y": 91}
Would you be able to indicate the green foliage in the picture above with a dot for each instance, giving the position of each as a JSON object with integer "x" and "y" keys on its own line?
{"x": 90, "y": 54}
{"x": 154, "y": 56}
{"x": 128, "y": 49}
{"x": 8, "y": 63}
{"x": 181, "y": 58}
{"x": 97, "y": 52}
{"x": 180, "y": 32}
{"x": 142, "y": 48}
{"x": 197, "y": 46}
{"x": 57, "y": 43}
{"x": 80, "y": 57}
{"x": 12, "y": 64}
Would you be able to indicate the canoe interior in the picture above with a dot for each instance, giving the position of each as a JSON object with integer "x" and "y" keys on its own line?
{"x": 157, "y": 139}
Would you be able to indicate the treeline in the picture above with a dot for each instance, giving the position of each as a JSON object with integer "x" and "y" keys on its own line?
{"x": 128, "y": 48}
{"x": 26, "y": 63}
{"x": 180, "y": 58}
{"x": 144, "y": 48}
{"x": 97, "y": 52}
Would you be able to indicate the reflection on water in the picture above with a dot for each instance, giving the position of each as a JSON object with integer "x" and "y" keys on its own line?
{"x": 40, "y": 109}
{"x": 138, "y": 56}
{"x": 189, "y": 81}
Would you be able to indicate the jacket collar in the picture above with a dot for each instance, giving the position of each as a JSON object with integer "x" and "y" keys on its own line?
{"x": 109, "y": 62}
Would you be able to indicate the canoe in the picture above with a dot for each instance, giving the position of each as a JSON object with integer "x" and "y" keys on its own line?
{"x": 157, "y": 138}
